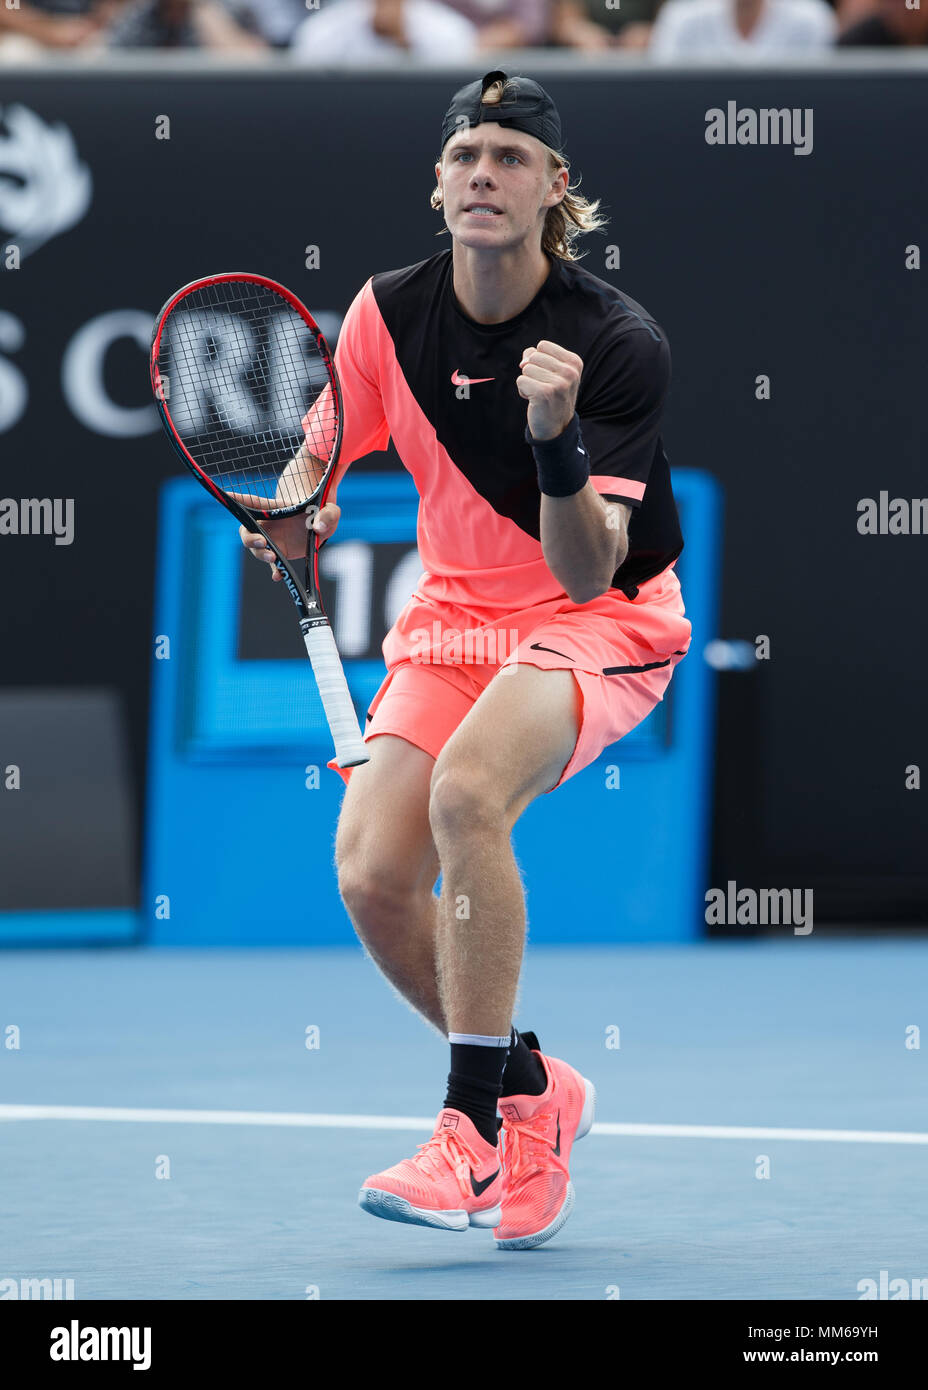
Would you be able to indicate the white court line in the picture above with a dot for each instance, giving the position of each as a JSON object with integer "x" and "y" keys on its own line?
{"x": 295, "y": 1120}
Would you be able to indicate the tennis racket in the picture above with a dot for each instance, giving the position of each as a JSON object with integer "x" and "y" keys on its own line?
{"x": 247, "y": 392}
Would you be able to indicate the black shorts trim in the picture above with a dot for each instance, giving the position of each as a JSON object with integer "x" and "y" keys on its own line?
{"x": 633, "y": 670}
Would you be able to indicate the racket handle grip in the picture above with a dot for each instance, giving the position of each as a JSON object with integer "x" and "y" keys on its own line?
{"x": 350, "y": 750}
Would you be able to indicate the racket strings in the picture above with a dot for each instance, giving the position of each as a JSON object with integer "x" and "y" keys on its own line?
{"x": 248, "y": 389}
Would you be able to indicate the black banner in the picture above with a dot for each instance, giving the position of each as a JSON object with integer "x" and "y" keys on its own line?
{"x": 107, "y": 1339}
{"x": 779, "y": 252}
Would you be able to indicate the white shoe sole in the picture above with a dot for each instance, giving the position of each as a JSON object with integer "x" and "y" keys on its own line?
{"x": 539, "y": 1237}
{"x": 390, "y": 1207}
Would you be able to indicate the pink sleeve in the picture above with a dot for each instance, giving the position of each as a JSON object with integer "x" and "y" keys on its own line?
{"x": 364, "y": 426}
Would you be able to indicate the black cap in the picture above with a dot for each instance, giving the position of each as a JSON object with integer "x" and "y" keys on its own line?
{"x": 525, "y": 106}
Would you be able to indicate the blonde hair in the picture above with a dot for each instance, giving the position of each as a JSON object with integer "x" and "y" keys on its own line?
{"x": 569, "y": 218}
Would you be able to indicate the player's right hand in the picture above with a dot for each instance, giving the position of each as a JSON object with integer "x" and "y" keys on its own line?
{"x": 290, "y": 532}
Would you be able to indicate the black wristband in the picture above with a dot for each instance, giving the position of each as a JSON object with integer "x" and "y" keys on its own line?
{"x": 563, "y": 463}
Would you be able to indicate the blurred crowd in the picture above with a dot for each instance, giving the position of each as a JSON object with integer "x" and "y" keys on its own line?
{"x": 366, "y": 31}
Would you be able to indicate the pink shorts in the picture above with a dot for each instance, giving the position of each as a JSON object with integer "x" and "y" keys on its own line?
{"x": 622, "y": 661}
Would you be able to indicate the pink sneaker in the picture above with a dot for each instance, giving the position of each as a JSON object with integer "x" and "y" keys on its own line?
{"x": 453, "y": 1182}
{"x": 537, "y": 1135}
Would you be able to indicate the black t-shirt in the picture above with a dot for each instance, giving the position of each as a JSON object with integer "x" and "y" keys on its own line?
{"x": 407, "y": 345}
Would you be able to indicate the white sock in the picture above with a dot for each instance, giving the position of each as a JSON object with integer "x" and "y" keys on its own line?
{"x": 479, "y": 1040}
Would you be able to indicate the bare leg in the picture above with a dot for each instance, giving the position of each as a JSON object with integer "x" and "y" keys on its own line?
{"x": 387, "y": 866}
{"x": 513, "y": 745}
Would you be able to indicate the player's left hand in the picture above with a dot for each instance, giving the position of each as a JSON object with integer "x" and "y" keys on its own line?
{"x": 549, "y": 382}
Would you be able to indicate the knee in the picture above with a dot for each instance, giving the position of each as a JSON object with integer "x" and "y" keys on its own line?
{"x": 374, "y": 897}
{"x": 372, "y": 889}
{"x": 462, "y": 800}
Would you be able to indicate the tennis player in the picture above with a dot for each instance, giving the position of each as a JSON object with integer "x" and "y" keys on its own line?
{"x": 524, "y": 395}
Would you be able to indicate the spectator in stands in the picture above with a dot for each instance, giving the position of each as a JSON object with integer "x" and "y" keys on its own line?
{"x": 53, "y": 23}
{"x": 891, "y": 25}
{"x": 732, "y": 29}
{"x": 507, "y": 23}
{"x": 595, "y": 24}
{"x": 275, "y": 20}
{"x": 181, "y": 24}
{"x": 350, "y": 31}
{"x": 851, "y": 11}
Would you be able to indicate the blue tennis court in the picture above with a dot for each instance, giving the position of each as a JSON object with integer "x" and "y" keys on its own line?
{"x": 789, "y": 1053}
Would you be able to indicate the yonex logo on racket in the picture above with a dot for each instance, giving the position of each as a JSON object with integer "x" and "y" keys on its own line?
{"x": 291, "y": 587}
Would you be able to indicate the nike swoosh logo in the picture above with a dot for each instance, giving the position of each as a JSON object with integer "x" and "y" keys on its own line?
{"x": 458, "y": 380}
{"x": 479, "y": 1187}
{"x": 556, "y": 1148}
{"x": 537, "y": 647}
